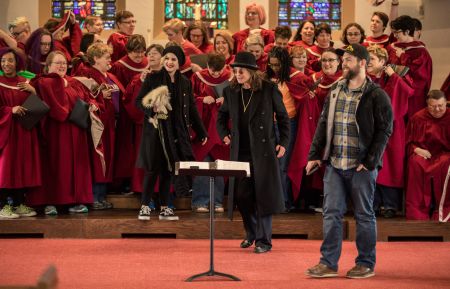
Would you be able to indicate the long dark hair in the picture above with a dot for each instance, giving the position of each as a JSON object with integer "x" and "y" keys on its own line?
{"x": 33, "y": 49}
{"x": 256, "y": 79}
{"x": 283, "y": 57}
{"x": 298, "y": 34}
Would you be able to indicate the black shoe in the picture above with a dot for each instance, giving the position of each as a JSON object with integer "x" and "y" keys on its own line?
{"x": 262, "y": 249}
{"x": 389, "y": 213}
{"x": 246, "y": 244}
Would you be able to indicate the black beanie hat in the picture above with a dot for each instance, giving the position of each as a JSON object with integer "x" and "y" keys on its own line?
{"x": 178, "y": 51}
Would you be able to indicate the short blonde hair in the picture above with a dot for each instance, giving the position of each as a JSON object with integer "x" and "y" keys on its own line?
{"x": 97, "y": 50}
{"x": 254, "y": 39}
{"x": 19, "y": 21}
{"x": 379, "y": 51}
{"x": 174, "y": 24}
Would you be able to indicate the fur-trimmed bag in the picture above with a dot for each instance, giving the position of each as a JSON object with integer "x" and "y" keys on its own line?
{"x": 158, "y": 99}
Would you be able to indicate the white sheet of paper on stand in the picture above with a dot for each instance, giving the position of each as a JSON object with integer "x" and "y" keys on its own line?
{"x": 235, "y": 166}
{"x": 194, "y": 165}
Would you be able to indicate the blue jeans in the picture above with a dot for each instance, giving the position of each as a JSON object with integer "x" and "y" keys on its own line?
{"x": 99, "y": 190}
{"x": 360, "y": 188}
{"x": 200, "y": 189}
{"x": 284, "y": 162}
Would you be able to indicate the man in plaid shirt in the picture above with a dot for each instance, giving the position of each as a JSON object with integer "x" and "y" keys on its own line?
{"x": 350, "y": 138}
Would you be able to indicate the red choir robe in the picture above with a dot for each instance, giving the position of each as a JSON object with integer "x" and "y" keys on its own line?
{"x": 118, "y": 41}
{"x": 109, "y": 135}
{"x": 70, "y": 45}
{"x": 416, "y": 57}
{"x": 206, "y": 48}
{"x": 381, "y": 41}
{"x": 80, "y": 64}
{"x": 262, "y": 62}
{"x": 66, "y": 174}
{"x": 314, "y": 54}
{"x": 309, "y": 110}
{"x": 186, "y": 69}
{"x": 20, "y": 162}
{"x": 189, "y": 48}
{"x": 269, "y": 47}
{"x": 446, "y": 87}
{"x": 203, "y": 85}
{"x": 300, "y": 43}
{"x": 229, "y": 60}
{"x": 426, "y": 132}
{"x": 240, "y": 36}
{"x": 399, "y": 90}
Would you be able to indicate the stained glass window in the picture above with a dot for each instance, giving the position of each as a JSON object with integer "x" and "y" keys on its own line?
{"x": 293, "y": 12}
{"x": 106, "y": 9}
{"x": 214, "y": 12}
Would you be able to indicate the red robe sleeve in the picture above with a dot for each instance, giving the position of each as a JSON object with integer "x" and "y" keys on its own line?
{"x": 118, "y": 42}
{"x": 400, "y": 90}
{"x": 50, "y": 88}
{"x": 129, "y": 100}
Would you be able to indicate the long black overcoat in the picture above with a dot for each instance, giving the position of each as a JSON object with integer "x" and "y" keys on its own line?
{"x": 266, "y": 103}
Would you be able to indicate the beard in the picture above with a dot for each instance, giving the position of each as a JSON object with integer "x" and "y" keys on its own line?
{"x": 351, "y": 73}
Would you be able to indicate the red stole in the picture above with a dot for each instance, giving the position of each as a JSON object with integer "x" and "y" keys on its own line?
{"x": 262, "y": 62}
{"x": 324, "y": 85}
{"x": 125, "y": 69}
{"x": 382, "y": 41}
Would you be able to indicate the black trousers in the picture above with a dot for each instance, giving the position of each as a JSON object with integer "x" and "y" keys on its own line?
{"x": 17, "y": 196}
{"x": 258, "y": 228}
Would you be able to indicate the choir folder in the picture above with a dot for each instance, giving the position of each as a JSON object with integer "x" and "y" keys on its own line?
{"x": 36, "y": 109}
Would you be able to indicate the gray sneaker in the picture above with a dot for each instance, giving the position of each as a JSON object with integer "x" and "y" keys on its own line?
{"x": 79, "y": 209}
{"x": 51, "y": 211}
{"x": 8, "y": 213}
{"x": 167, "y": 214}
{"x": 360, "y": 272}
{"x": 321, "y": 271}
{"x": 25, "y": 211}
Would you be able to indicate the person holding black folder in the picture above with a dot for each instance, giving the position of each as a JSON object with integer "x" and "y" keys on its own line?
{"x": 250, "y": 103}
{"x": 20, "y": 163}
{"x": 67, "y": 178}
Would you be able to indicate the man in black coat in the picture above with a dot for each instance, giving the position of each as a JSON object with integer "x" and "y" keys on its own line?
{"x": 250, "y": 103}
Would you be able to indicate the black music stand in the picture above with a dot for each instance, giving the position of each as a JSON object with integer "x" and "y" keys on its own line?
{"x": 212, "y": 172}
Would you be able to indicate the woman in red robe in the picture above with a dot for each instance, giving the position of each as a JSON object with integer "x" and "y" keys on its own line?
{"x": 378, "y": 24}
{"x": 255, "y": 45}
{"x": 305, "y": 34}
{"x": 299, "y": 59}
{"x": 37, "y": 48}
{"x": 108, "y": 100}
{"x": 80, "y": 63}
{"x": 413, "y": 54}
{"x": 223, "y": 44}
{"x": 309, "y": 112}
{"x": 20, "y": 163}
{"x": 197, "y": 34}
{"x": 255, "y": 16}
{"x": 428, "y": 151}
{"x": 322, "y": 34}
{"x": 208, "y": 103}
{"x": 174, "y": 31}
{"x": 67, "y": 175}
{"x": 125, "y": 28}
{"x": 390, "y": 181}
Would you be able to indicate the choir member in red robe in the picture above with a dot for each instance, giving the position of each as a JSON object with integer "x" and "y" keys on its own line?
{"x": 299, "y": 59}
{"x": 20, "y": 163}
{"x": 134, "y": 63}
{"x": 37, "y": 48}
{"x": 309, "y": 111}
{"x": 174, "y": 31}
{"x": 413, "y": 54}
{"x": 428, "y": 151}
{"x": 255, "y": 16}
{"x": 69, "y": 45}
{"x": 20, "y": 32}
{"x": 391, "y": 177}
{"x": 446, "y": 87}
{"x": 282, "y": 36}
{"x": 125, "y": 28}
{"x": 66, "y": 177}
{"x": 305, "y": 34}
{"x": 108, "y": 99}
{"x": 93, "y": 24}
{"x": 293, "y": 85}
{"x": 322, "y": 34}
{"x": 255, "y": 45}
{"x": 208, "y": 103}
{"x": 197, "y": 34}
{"x": 80, "y": 63}
{"x": 223, "y": 44}
{"x": 378, "y": 24}
{"x": 153, "y": 54}
{"x": 353, "y": 33}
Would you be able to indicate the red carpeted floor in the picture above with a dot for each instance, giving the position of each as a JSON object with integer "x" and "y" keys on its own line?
{"x": 166, "y": 263}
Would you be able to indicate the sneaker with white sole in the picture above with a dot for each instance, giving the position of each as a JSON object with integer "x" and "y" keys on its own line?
{"x": 51, "y": 211}
{"x": 144, "y": 213}
{"x": 78, "y": 209}
{"x": 8, "y": 213}
{"x": 167, "y": 214}
{"x": 201, "y": 209}
{"x": 25, "y": 211}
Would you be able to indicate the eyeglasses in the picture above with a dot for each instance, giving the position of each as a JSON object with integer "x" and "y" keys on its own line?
{"x": 437, "y": 106}
{"x": 251, "y": 14}
{"x": 60, "y": 63}
{"x": 330, "y": 60}
{"x": 46, "y": 44}
{"x": 397, "y": 32}
{"x": 129, "y": 22}
{"x": 16, "y": 34}
{"x": 350, "y": 34}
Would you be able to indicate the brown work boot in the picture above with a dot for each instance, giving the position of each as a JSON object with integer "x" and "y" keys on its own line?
{"x": 321, "y": 271}
{"x": 360, "y": 272}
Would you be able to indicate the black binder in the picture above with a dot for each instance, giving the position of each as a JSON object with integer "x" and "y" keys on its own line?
{"x": 36, "y": 109}
{"x": 80, "y": 114}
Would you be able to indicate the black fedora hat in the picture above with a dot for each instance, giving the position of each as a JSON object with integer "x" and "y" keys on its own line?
{"x": 245, "y": 59}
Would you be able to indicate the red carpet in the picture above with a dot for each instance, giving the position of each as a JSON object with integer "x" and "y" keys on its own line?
{"x": 160, "y": 263}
